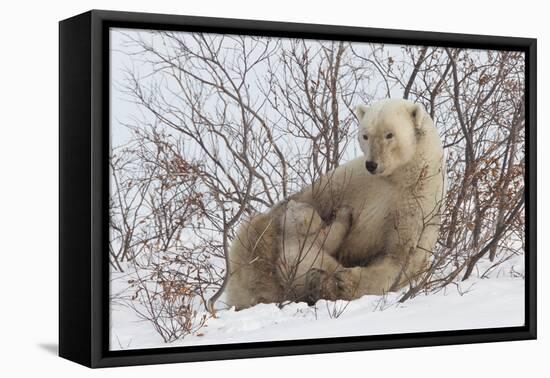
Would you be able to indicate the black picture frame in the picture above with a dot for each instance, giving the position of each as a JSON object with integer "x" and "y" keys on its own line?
{"x": 84, "y": 188}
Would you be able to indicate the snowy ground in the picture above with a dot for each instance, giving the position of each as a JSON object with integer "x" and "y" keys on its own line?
{"x": 476, "y": 303}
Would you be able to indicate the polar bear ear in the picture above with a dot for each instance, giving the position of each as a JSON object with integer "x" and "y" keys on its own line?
{"x": 360, "y": 111}
{"x": 418, "y": 114}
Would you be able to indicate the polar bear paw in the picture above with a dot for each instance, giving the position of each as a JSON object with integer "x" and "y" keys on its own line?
{"x": 322, "y": 285}
{"x": 346, "y": 284}
{"x": 318, "y": 286}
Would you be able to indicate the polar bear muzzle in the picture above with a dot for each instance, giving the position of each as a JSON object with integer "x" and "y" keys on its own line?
{"x": 371, "y": 166}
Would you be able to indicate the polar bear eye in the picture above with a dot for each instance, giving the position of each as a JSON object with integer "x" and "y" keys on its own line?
{"x": 365, "y": 137}
{"x": 389, "y": 135}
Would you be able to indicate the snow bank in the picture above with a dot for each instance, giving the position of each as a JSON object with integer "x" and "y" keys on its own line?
{"x": 474, "y": 304}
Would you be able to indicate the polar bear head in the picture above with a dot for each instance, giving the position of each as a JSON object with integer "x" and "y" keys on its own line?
{"x": 301, "y": 219}
{"x": 389, "y": 132}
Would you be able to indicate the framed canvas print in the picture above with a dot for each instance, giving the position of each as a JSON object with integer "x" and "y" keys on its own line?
{"x": 233, "y": 188}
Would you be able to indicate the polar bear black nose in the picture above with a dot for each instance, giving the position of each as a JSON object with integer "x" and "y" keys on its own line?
{"x": 371, "y": 166}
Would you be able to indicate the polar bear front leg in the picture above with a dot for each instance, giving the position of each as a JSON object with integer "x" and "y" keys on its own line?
{"x": 321, "y": 280}
{"x": 378, "y": 278}
{"x": 399, "y": 265}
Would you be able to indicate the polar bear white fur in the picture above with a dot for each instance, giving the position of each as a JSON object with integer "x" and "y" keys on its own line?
{"x": 394, "y": 190}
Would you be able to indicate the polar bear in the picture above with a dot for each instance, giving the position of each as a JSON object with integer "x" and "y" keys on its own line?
{"x": 395, "y": 191}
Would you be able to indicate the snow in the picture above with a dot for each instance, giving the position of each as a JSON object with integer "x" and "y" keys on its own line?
{"x": 473, "y": 304}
